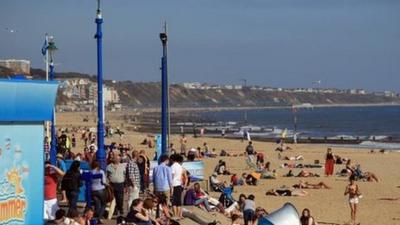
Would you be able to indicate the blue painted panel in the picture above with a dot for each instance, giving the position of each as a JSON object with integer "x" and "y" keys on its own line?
{"x": 27, "y": 100}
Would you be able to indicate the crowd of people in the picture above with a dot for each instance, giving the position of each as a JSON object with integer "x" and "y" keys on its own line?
{"x": 125, "y": 182}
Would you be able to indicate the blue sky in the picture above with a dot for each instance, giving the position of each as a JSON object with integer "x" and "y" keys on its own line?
{"x": 344, "y": 43}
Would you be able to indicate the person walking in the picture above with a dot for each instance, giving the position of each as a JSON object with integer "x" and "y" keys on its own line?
{"x": 71, "y": 183}
{"x": 98, "y": 192}
{"x": 132, "y": 181}
{"x": 329, "y": 162}
{"x": 183, "y": 142}
{"x": 250, "y": 152}
{"x": 354, "y": 197}
{"x": 162, "y": 178}
{"x": 116, "y": 177}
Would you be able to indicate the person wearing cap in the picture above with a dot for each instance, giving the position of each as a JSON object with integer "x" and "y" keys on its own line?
{"x": 60, "y": 162}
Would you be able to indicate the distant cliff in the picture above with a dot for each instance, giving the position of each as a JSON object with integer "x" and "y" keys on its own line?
{"x": 147, "y": 94}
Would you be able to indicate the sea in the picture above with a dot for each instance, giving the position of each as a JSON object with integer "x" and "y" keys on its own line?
{"x": 365, "y": 121}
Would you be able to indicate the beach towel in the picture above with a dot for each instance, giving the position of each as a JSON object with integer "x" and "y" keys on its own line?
{"x": 256, "y": 175}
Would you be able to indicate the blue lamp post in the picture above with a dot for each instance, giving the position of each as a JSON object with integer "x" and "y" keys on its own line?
{"x": 51, "y": 48}
{"x": 164, "y": 94}
{"x": 101, "y": 153}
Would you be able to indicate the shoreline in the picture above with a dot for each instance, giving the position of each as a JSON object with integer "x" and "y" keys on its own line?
{"x": 238, "y": 108}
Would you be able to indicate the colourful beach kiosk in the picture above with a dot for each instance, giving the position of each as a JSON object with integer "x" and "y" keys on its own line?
{"x": 24, "y": 106}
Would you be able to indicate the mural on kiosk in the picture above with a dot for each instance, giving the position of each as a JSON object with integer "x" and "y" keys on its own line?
{"x": 21, "y": 173}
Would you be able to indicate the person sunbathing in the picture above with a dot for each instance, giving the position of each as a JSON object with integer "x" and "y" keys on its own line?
{"x": 287, "y": 192}
{"x": 366, "y": 176}
{"x": 390, "y": 199}
{"x": 269, "y": 175}
{"x": 306, "y": 185}
{"x": 370, "y": 177}
{"x": 291, "y": 158}
{"x": 305, "y": 173}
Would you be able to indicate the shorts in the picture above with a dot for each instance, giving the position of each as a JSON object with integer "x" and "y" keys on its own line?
{"x": 166, "y": 194}
{"x": 248, "y": 215}
{"x": 50, "y": 209}
{"x": 177, "y": 196}
{"x": 354, "y": 200}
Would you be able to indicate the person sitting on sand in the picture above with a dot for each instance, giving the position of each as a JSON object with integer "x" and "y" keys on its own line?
{"x": 236, "y": 180}
{"x": 215, "y": 183}
{"x": 137, "y": 214}
{"x": 235, "y": 219}
{"x": 237, "y": 207}
{"x": 251, "y": 179}
{"x": 192, "y": 154}
{"x": 306, "y": 218}
{"x": 349, "y": 168}
{"x": 305, "y": 173}
{"x": 211, "y": 154}
{"x": 221, "y": 168}
{"x": 199, "y": 197}
{"x": 287, "y": 192}
{"x": 306, "y": 185}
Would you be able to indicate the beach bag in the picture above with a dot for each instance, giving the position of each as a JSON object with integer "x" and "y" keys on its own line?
{"x": 109, "y": 193}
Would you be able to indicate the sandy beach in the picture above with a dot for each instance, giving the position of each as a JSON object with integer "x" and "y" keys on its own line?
{"x": 327, "y": 206}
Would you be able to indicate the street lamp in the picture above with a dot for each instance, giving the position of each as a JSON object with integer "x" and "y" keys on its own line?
{"x": 51, "y": 48}
{"x": 164, "y": 94}
{"x": 101, "y": 153}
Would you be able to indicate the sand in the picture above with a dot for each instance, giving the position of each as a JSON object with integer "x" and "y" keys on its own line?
{"x": 327, "y": 206}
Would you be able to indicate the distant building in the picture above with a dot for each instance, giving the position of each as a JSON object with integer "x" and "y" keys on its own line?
{"x": 361, "y": 92}
{"x": 19, "y": 66}
{"x": 391, "y": 94}
{"x": 110, "y": 95}
{"x": 193, "y": 85}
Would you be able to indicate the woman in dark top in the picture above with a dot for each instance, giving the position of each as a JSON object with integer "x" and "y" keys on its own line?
{"x": 71, "y": 183}
{"x": 329, "y": 162}
{"x": 306, "y": 218}
{"x": 137, "y": 214}
{"x": 141, "y": 162}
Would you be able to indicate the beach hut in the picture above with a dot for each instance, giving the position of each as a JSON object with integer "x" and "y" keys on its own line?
{"x": 25, "y": 105}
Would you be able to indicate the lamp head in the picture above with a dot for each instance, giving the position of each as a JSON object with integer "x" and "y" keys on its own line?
{"x": 98, "y": 12}
{"x": 163, "y": 38}
{"x": 51, "y": 47}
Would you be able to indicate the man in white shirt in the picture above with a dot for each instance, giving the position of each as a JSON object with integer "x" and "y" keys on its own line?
{"x": 177, "y": 173}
